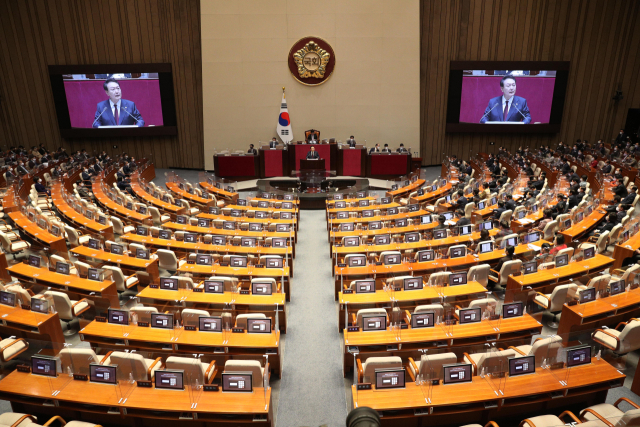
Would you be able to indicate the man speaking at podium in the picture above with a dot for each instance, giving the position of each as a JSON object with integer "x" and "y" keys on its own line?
{"x": 508, "y": 107}
{"x": 116, "y": 111}
{"x": 313, "y": 154}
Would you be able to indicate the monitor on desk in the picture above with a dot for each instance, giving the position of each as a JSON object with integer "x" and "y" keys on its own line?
{"x": 522, "y": 214}
{"x": 465, "y": 230}
{"x": 579, "y": 355}
{"x": 34, "y": 261}
{"x": 493, "y": 201}
{"x": 448, "y": 216}
{"x": 391, "y": 259}
{"x": 367, "y": 286}
{"x": 532, "y": 237}
{"x": 363, "y": 203}
{"x": 8, "y": 298}
{"x": 470, "y": 315}
{"x": 512, "y": 309}
{"x": 237, "y": 382}
{"x": 218, "y": 240}
{"x": 263, "y": 204}
{"x": 164, "y": 234}
{"x": 457, "y": 373}
{"x": 481, "y": 205}
{"x": 347, "y": 226}
{"x": 511, "y": 241}
{"x": 142, "y": 210}
{"x": 178, "y": 203}
{"x": 117, "y": 249}
{"x": 391, "y": 378}
{"x": 374, "y": 323}
{"x": 447, "y": 199}
{"x": 561, "y": 260}
{"x": 351, "y": 241}
{"x": 210, "y": 324}
{"x": 567, "y": 223}
{"x": 340, "y": 204}
{"x": 421, "y": 191}
{"x": 279, "y": 242}
{"x": 117, "y": 317}
{"x": 485, "y": 247}
{"x": 587, "y": 295}
{"x": 162, "y": 320}
{"x": 241, "y": 202}
{"x": 259, "y": 326}
{"x": 102, "y": 220}
{"x": 141, "y": 230}
{"x": 237, "y": 261}
{"x": 142, "y": 253}
{"x": 530, "y": 267}
{"x": 94, "y": 244}
{"x": 287, "y": 205}
{"x": 274, "y": 262}
{"x": 422, "y": 320}
{"x": 579, "y": 216}
{"x": 487, "y": 225}
{"x": 616, "y": 288}
{"x": 361, "y": 194}
{"x": 357, "y": 261}
{"x": 375, "y": 225}
{"x": 204, "y": 259}
{"x": 262, "y": 214}
{"x": 338, "y": 196}
{"x": 425, "y": 219}
{"x": 286, "y": 215}
{"x": 181, "y": 219}
{"x": 402, "y": 222}
{"x": 413, "y": 283}
{"x": 169, "y": 379}
{"x": 55, "y": 230}
{"x": 43, "y": 365}
{"x": 255, "y": 226}
{"x": 392, "y": 211}
{"x": 382, "y": 239}
{"x": 214, "y": 286}
{"x": 412, "y": 237}
{"x": 203, "y": 222}
{"x": 103, "y": 374}
{"x": 439, "y": 234}
{"x": 62, "y": 268}
{"x": 365, "y": 214}
{"x": 589, "y": 210}
{"x": 458, "y": 252}
{"x": 589, "y": 253}
{"x": 39, "y": 305}
{"x": 214, "y": 210}
{"x": 385, "y": 200}
{"x": 169, "y": 283}
{"x": 287, "y": 197}
{"x": 522, "y": 365}
{"x": 456, "y": 279}
{"x": 427, "y": 255}
{"x": 190, "y": 237}
{"x": 248, "y": 242}
{"x": 414, "y": 207}
{"x": 625, "y": 235}
{"x": 261, "y": 288}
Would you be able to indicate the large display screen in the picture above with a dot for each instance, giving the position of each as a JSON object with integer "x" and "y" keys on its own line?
{"x": 114, "y": 100}
{"x": 506, "y": 96}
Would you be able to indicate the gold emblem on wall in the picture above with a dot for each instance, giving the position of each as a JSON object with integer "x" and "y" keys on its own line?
{"x": 311, "y": 61}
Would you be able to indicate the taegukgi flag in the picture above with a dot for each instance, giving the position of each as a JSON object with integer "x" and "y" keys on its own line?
{"x": 284, "y": 122}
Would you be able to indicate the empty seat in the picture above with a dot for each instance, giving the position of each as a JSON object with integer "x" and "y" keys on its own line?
{"x": 241, "y": 319}
{"x": 133, "y": 365}
{"x": 554, "y": 301}
{"x": 168, "y": 260}
{"x": 430, "y": 366}
{"x": 368, "y": 312}
{"x": 252, "y": 366}
{"x": 542, "y": 348}
{"x": 12, "y": 347}
{"x": 119, "y": 227}
{"x": 594, "y": 415}
{"x": 492, "y": 361}
{"x": 143, "y": 313}
{"x": 122, "y": 282}
{"x": 620, "y": 341}
{"x": 79, "y": 359}
{"x": 366, "y": 371}
{"x": 479, "y": 273}
{"x": 193, "y": 369}
{"x": 158, "y": 219}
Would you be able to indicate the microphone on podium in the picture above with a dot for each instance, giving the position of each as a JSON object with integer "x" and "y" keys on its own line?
{"x": 103, "y": 110}
{"x": 489, "y": 111}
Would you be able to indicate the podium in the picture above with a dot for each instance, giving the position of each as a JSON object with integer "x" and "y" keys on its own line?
{"x": 503, "y": 123}
{"x": 311, "y": 165}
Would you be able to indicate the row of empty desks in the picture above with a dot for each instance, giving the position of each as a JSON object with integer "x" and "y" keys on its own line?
{"x": 365, "y": 220}
{"x": 29, "y": 324}
{"x": 118, "y": 210}
{"x": 128, "y": 404}
{"x": 149, "y": 199}
{"x": 433, "y": 195}
{"x": 123, "y": 261}
{"x": 232, "y": 196}
{"x": 184, "y": 194}
{"x": 404, "y": 191}
{"x": 58, "y": 244}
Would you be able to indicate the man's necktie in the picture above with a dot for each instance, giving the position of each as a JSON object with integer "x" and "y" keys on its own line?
{"x": 118, "y": 115}
{"x": 506, "y": 111}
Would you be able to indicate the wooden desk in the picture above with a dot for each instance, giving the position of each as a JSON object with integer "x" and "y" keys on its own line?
{"x": 166, "y": 300}
{"x": 312, "y": 165}
{"x": 217, "y": 346}
{"x": 250, "y": 271}
{"x": 126, "y": 404}
{"x": 184, "y": 194}
{"x": 76, "y": 218}
{"x": 236, "y": 233}
{"x": 151, "y": 200}
{"x": 433, "y": 195}
{"x": 405, "y": 190}
{"x": 338, "y": 235}
{"x": 503, "y": 332}
{"x": 407, "y": 299}
{"x": 331, "y": 201}
{"x": 602, "y": 312}
{"x": 271, "y": 210}
{"x": 577, "y": 231}
{"x": 363, "y": 208}
{"x": 361, "y": 220}
{"x": 481, "y": 215}
{"x": 545, "y": 280}
{"x": 265, "y": 221}
{"x": 232, "y": 197}
{"x": 625, "y": 250}
{"x": 479, "y": 400}
{"x": 43, "y": 237}
{"x": 99, "y": 292}
{"x": 128, "y": 262}
{"x": 31, "y": 325}
{"x": 116, "y": 209}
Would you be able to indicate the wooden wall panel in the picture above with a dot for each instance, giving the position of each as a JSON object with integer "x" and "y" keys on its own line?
{"x": 600, "y": 39}
{"x": 38, "y": 33}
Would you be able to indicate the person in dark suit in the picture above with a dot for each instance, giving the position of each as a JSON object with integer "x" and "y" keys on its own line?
{"x": 21, "y": 169}
{"x": 441, "y": 223}
{"x": 313, "y": 138}
{"x": 40, "y": 188}
{"x": 375, "y": 149}
{"x": 401, "y": 149}
{"x": 82, "y": 190}
{"x": 313, "y": 154}
{"x": 10, "y": 174}
{"x": 386, "y": 148}
{"x": 86, "y": 176}
{"x": 462, "y": 219}
{"x": 628, "y": 200}
{"x": 607, "y": 168}
{"x": 574, "y": 199}
{"x": 560, "y": 207}
{"x": 351, "y": 142}
{"x": 621, "y": 139}
{"x": 252, "y": 150}
{"x": 116, "y": 111}
{"x": 620, "y": 190}
{"x": 462, "y": 201}
{"x": 273, "y": 143}
{"x": 497, "y": 212}
{"x": 509, "y": 251}
{"x": 124, "y": 185}
{"x": 612, "y": 221}
{"x": 508, "y": 107}
{"x": 510, "y": 204}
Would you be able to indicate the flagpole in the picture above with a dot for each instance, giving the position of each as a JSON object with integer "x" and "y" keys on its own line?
{"x": 283, "y": 92}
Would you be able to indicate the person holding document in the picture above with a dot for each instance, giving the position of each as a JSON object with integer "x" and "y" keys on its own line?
{"x": 116, "y": 111}
{"x": 508, "y": 107}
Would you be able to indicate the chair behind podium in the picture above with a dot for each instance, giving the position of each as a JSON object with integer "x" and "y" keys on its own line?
{"x": 308, "y": 133}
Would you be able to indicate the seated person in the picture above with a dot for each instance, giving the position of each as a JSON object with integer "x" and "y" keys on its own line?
{"x": 509, "y": 203}
{"x": 313, "y": 138}
{"x": 351, "y": 142}
{"x": 462, "y": 220}
{"x": 546, "y": 219}
{"x": 273, "y": 143}
{"x": 498, "y": 212}
{"x": 86, "y": 176}
{"x": 614, "y": 206}
{"x": 386, "y": 148}
{"x": 401, "y": 149}
{"x": 252, "y": 150}
{"x": 462, "y": 201}
{"x": 558, "y": 244}
{"x": 484, "y": 237}
{"x": 504, "y": 230}
{"x": 629, "y": 199}
{"x": 441, "y": 223}
{"x": 612, "y": 221}
{"x": 124, "y": 185}
{"x": 509, "y": 252}
{"x": 544, "y": 254}
{"x": 40, "y": 188}
{"x": 313, "y": 154}
{"x": 375, "y": 149}
{"x": 84, "y": 193}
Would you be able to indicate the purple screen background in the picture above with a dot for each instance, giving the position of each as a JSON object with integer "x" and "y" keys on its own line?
{"x": 478, "y": 90}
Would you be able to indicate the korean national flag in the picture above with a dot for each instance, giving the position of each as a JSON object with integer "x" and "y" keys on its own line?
{"x": 284, "y": 123}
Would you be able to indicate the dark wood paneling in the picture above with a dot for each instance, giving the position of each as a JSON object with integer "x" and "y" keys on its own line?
{"x": 38, "y": 33}
{"x": 600, "y": 39}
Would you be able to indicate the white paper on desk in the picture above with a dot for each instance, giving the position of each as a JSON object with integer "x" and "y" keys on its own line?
{"x": 526, "y": 221}
{"x": 533, "y": 247}
{"x": 449, "y": 223}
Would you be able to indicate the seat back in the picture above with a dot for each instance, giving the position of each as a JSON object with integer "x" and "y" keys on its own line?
{"x": 560, "y": 295}
{"x": 62, "y": 304}
{"x": 495, "y": 361}
{"x": 600, "y": 282}
{"x": 468, "y": 209}
{"x": 484, "y": 304}
{"x": 72, "y": 235}
{"x": 143, "y": 313}
{"x": 602, "y": 242}
{"x": 252, "y": 366}
{"x": 479, "y": 273}
{"x": 508, "y": 268}
{"x": 630, "y": 273}
{"x": 367, "y": 312}
{"x": 439, "y": 278}
{"x": 437, "y": 309}
{"x": 457, "y": 247}
{"x": 630, "y": 337}
{"x": 117, "y": 276}
{"x": 167, "y": 259}
{"x": 229, "y": 282}
{"x": 505, "y": 216}
{"x": 550, "y": 229}
{"x": 398, "y": 280}
{"x": 614, "y": 236}
{"x": 372, "y": 363}
{"x": 241, "y": 319}
{"x": 568, "y": 251}
{"x": 24, "y": 296}
{"x": 431, "y": 365}
{"x": 545, "y": 348}
{"x": 130, "y": 363}
{"x": 629, "y": 418}
{"x": 78, "y": 358}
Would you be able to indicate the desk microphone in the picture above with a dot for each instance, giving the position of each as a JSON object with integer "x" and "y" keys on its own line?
{"x": 489, "y": 111}
{"x": 126, "y": 111}
{"x": 94, "y": 122}
{"x": 514, "y": 105}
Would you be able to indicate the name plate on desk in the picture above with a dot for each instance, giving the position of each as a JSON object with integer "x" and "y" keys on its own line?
{"x": 412, "y": 260}
{"x": 24, "y": 368}
{"x": 237, "y": 330}
{"x": 198, "y": 290}
{"x": 364, "y": 386}
{"x": 494, "y": 317}
{"x": 189, "y": 328}
{"x": 378, "y": 262}
{"x": 143, "y": 324}
{"x": 342, "y": 264}
{"x": 224, "y": 264}
{"x": 146, "y": 384}
{"x": 404, "y": 326}
{"x": 100, "y": 319}
{"x": 347, "y": 291}
{"x": 353, "y": 328}
{"x": 152, "y": 286}
{"x": 25, "y": 306}
{"x": 210, "y": 387}
{"x": 80, "y": 377}
{"x": 574, "y": 302}
{"x": 244, "y": 292}
{"x": 259, "y": 266}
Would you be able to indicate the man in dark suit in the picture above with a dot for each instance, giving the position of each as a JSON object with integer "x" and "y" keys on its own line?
{"x": 116, "y": 111}
{"x": 313, "y": 154}
{"x": 462, "y": 201}
{"x": 40, "y": 188}
{"x": 313, "y": 138}
{"x": 509, "y": 251}
{"x": 620, "y": 190}
{"x": 510, "y": 204}
{"x": 574, "y": 199}
{"x": 621, "y": 139}
{"x": 273, "y": 143}
{"x": 252, "y": 150}
{"x": 508, "y": 107}
{"x": 21, "y": 169}
{"x": 375, "y": 149}
{"x": 462, "y": 219}
{"x": 631, "y": 196}
{"x": 499, "y": 211}
{"x": 351, "y": 142}
{"x": 401, "y": 149}
{"x": 386, "y": 149}
{"x": 607, "y": 168}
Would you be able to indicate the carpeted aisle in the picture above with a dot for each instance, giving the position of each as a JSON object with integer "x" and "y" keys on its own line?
{"x": 312, "y": 388}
